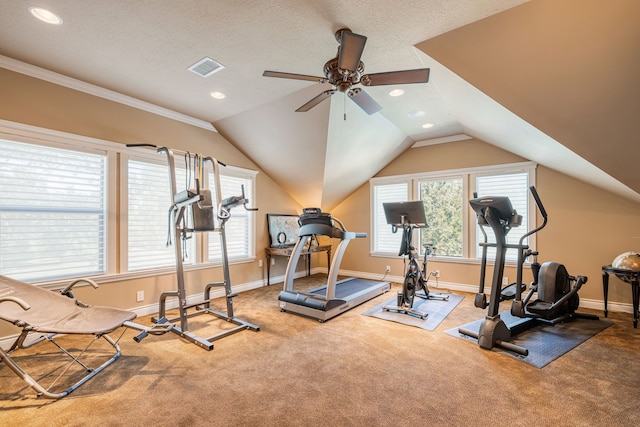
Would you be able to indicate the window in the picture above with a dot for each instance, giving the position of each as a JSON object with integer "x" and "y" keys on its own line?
{"x": 385, "y": 240}
{"x": 150, "y": 229}
{"x": 515, "y": 186}
{"x": 72, "y": 206}
{"x": 446, "y": 197}
{"x": 52, "y": 211}
{"x": 239, "y": 228}
{"x": 443, "y": 200}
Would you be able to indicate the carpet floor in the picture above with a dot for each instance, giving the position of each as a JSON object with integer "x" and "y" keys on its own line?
{"x": 352, "y": 370}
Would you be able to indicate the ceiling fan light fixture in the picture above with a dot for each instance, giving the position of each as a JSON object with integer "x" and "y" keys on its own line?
{"x": 346, "y": 70}
{"x": 45, "y": 15}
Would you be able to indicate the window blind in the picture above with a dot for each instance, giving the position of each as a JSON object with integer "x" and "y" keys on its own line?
{"x": 515, "y": 186}
{"x": 238, "y": 227}
{"x": 385, "y": 240}
{"x": 52, "y": 212}
{"x": 149, "y": 224}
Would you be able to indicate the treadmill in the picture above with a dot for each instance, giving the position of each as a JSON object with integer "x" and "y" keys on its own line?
{"x": 326, "y": 301}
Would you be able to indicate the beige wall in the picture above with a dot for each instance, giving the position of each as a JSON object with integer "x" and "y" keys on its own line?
{"x": 30, "y": 101}
{"x": 587, "y": 227}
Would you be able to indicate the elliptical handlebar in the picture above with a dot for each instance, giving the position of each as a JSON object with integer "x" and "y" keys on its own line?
{"x": 534, "y": 193}
{"x": 543, "y": 212}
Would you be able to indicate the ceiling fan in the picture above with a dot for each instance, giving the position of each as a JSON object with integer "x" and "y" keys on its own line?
{"x": 346, "y": 70}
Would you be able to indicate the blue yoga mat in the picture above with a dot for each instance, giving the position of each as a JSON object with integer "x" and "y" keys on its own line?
{"x": 437, "y": 311}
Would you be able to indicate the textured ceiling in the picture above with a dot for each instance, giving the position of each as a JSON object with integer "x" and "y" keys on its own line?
{"x": 143, "y": 49}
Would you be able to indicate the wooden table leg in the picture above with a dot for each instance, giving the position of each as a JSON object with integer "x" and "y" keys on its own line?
{"x": 635, "y": 290}
{"x": 605, "y": 290}
{"x": 269, "y": 269}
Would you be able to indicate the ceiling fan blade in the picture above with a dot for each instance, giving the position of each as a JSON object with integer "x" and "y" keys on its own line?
{"x": 350, "y": 51}
{"x": 364, "y": 101}
{"x": 294, "y": 76}
{"x": 420, "y": 75}
{"x": 315, "y": 101}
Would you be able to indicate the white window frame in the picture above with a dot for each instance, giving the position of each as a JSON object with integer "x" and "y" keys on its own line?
{"x": 50, "y": 138}
{"x": 201, "y": 239}
{"x": 528, "y": 167}
{"x": 116, "y": 226}
{"x": 468, "y": 176}
{"x": 250, "y": 194}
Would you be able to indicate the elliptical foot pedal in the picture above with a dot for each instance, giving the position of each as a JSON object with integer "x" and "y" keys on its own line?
{"x": 509, "y": 292}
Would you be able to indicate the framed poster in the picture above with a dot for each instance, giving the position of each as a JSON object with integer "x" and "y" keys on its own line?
{"x": 283, "y": 230}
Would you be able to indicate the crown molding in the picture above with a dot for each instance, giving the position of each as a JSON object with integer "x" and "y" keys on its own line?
{"x": 441, "y": 140}
{"x": 71, "y": 83}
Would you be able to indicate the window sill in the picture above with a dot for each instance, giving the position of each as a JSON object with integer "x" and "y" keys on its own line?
{"x": 119, "y": 277}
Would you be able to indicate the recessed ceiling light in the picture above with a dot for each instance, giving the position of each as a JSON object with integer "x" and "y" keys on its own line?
{"x": 218, "y": 95}
{"x": 427, "y": 125}
{"x": 45, "y": 16}
{"x": 416, "y": 113}
{"x": 396, "y": 92}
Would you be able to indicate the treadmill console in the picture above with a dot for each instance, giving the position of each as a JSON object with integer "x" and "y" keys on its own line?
{"x": 315, "y": 216}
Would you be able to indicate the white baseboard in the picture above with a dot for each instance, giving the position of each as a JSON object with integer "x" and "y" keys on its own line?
{"x": 171, "y": 303}
{"x": 584, "y": 303}
{"x": 146, "y": 310}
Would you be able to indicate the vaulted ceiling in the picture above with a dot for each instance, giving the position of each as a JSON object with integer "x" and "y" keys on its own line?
{"x": 554, "y": 81}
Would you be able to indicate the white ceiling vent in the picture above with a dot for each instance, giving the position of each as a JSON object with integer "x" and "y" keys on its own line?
{"x": 206, "y": 67}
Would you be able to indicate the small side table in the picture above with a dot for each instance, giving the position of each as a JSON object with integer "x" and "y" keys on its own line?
{"x": 629, "y": 276}
{"x": 286, "y": 252}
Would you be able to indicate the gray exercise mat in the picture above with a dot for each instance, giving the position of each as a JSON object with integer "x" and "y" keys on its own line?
{"x": 437, "y": 311}
{"x": 545, "y": 342}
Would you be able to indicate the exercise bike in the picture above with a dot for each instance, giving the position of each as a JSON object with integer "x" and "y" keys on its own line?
{"x": 410, "y": 216}
{"x": 557, "y": 291}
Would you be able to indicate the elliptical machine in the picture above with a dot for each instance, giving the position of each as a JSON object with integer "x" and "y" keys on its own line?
{"x": 557, "y": 291}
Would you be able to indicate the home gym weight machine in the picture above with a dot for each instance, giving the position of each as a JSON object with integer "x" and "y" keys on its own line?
{"x": 557, "y": 292}
{"x": 410, "y": 216}
{"x": 196, "y": 204}
{"x": 336, "y": 297}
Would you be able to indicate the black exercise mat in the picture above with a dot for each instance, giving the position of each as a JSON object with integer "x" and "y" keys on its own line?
{"x": 437, "y": 311}
{"x": 544, "y": 342}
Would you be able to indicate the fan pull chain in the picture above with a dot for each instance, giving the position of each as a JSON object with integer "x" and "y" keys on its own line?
{"x": 344, "y": 106}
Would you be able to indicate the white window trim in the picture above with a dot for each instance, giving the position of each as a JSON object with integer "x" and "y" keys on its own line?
{"x": 530, "y": 168}
{"x": 468, "y": 217}
{"x": 117, "y": 156}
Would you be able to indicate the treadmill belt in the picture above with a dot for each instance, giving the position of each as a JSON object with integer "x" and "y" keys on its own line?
{"x": 347, "y": 287}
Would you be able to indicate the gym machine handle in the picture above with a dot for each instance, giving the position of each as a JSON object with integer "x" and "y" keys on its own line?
{"x": 534, "y": 193}
{"x": 156, "y": 147}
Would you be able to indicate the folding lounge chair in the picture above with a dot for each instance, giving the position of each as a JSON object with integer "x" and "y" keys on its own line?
{"x": 43, "y": 315}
